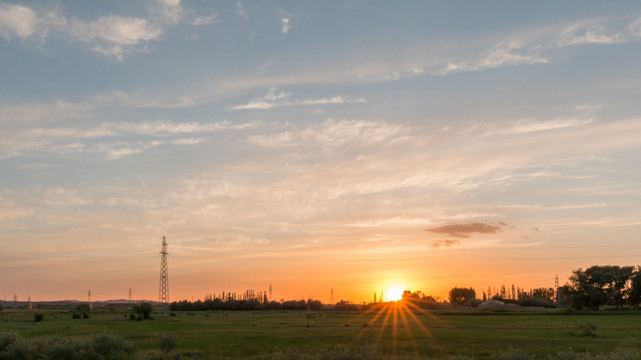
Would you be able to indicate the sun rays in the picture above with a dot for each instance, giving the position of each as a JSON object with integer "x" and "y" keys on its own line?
{"x": 401, "y": 319}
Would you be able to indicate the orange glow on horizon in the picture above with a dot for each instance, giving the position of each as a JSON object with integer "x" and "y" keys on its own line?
{"x": 394, "y": 293}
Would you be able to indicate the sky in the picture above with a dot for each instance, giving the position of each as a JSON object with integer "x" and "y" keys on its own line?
{"x": 359, "y": 146}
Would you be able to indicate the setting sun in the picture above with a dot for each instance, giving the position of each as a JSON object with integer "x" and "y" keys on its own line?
{"x": 394, "y": 294}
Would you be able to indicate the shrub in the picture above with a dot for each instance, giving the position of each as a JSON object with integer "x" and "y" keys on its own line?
{"x": 167, "y": 344}
{"x": 20, "y": 349}
{"x": 75, "y": 315}
{"x": 109, "y": 346}
{"x": 101, "y": 347}
{"x": 38, "y": 317}
{"x": 144, "y": 309}
{"x": 82, "y": 308}
{"x": 60, "y": 348}
{"x": 7, "y": 339}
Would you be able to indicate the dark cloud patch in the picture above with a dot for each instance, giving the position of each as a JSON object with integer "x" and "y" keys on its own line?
{"x": 444, "y": 243}
{"x": 462, "y": 230}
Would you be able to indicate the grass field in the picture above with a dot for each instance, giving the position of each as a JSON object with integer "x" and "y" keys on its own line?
{"x": 393, "y": 333}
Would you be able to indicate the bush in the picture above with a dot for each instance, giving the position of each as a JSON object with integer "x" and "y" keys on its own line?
{"x": 60, "y": 348}
{"x": 20, "y": 349}
{"x": 167, "y": 344}
{"x": 108, "y": 346}
{"x": 101, "y": 347}
{"x": 7, "y": 339}
{"x": 38, "y": 317}
{"x": 144, "y": 309}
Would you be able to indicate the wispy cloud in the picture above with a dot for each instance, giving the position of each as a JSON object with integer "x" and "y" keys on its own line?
{"x": 635, "y": 27}
{"x": 170, "y": 11}
{"x": 205, "y": 20}
{"x": 444, "y": 243}
{"x": 463, "y": 230}
{"x": 285, "y": 25}
{"x": 524, "y": 126}
{"x": 104, "y": 138}
{"x": 332, "y": 133}
{"x": 113, "y": 36}
{"x": 588, "y": 33}
{"x": 17, "y": 21}
{"x": 504, "y": 53}
{"x": 240, "y": 11}
{"x": 273, "y": 99}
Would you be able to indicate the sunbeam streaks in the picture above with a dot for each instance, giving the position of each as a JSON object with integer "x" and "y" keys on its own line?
{"x": 401, "y": 325}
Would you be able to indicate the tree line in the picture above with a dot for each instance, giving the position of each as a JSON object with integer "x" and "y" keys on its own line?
{"x": 241, "y": 304}
{"x": 603, "y": 285}
{"x": 591, "y": 289}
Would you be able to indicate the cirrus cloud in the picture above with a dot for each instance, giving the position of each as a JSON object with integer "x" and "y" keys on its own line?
{"x": 463, "y": 230}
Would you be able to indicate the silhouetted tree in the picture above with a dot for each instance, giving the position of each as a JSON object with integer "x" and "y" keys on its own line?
{"x": 458, "y": 296}
{"x": 144, "y": 309}
{"x": 619, "y": 283}
{"x": 599, "y": 285}
{"x": 634, "y": 295}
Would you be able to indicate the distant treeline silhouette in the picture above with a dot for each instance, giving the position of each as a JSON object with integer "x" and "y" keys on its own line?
{"x": 592, "y": 288}
{"x": 242, "y": 304}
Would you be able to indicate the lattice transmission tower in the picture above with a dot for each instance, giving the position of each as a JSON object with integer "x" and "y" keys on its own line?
{"x": 163, "y": 290}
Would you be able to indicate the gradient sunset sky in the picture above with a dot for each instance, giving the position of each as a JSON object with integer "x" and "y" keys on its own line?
{"x": 354, "y": 145}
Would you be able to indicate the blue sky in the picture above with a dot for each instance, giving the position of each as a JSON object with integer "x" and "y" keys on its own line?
{"x": 313, "y": 145}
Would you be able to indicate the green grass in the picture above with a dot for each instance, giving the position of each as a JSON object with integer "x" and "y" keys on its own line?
{"x": 261, "y": 335}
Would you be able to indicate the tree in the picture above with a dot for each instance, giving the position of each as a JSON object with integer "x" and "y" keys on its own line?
{"x": 599, "y": 285}
{"x": 458, "y": 296}
{"x": 543, "y": 293}
{"x": 144, "y": 309}
{"x": 634, "y": 295}
{"x": 619, "y": 286}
